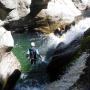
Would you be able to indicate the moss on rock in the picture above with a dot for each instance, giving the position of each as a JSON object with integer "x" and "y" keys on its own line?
{"x": 85, "y": 42}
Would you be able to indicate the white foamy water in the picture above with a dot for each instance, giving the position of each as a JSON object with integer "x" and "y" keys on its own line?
{"x": 72, "y": 34}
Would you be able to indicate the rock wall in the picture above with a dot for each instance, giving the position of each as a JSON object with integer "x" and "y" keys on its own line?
{"x": 19, "y": 8}
{"x": 8, "y": 62}
{"x": 53, "y": 8}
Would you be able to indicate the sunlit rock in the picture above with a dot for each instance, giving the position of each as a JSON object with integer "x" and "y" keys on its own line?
{"x": 2, "y": 23}
{"x": 58, "y": 9}
{"x": 9, "y": 65}
{"x": 55, "y": 15}
{"x": 86, "y": 2}
{"x": 20, "y": 8}
{"x": 6, "y": 38}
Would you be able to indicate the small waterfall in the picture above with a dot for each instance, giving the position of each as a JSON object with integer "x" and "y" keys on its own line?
{"x": 75, "y": 31}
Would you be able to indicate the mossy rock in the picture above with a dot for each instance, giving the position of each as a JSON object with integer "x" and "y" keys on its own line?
{"x": 87, "y": 33}
{"x": 85, "y": 43}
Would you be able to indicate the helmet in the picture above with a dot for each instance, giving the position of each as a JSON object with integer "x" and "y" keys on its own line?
{"x": 32, "y": 44}
{"x": 59, "y": 29}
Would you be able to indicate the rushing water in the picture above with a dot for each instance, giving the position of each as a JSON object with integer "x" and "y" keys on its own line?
{"x": 72, "y": 74}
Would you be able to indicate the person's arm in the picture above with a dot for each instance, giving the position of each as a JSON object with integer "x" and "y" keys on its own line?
{"x": 38, "y": 54}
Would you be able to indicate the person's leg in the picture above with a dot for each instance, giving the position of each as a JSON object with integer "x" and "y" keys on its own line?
{"x": 31, "y": 61}
{"x": 35, "y": 61}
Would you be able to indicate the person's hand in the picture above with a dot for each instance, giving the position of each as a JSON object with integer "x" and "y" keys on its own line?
{"x": 40, "y": 57}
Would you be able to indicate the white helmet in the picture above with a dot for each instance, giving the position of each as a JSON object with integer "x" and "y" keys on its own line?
{"x": 32, "y": 44}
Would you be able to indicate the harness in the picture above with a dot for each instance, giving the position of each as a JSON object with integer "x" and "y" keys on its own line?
{"x": 32, "y": 54}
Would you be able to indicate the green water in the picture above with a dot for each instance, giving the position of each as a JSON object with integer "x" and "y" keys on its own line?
{"x": 22, "y": 43}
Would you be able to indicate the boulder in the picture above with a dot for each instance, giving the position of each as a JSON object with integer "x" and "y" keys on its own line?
{"x": 19, "y": 8}
{"x": 9, "y": 65}
{"x": 56, "y": 10}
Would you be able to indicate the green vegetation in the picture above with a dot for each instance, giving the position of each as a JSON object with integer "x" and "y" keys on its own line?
{"x": 20, "y": 49}
{"x": 85, "y": 43}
